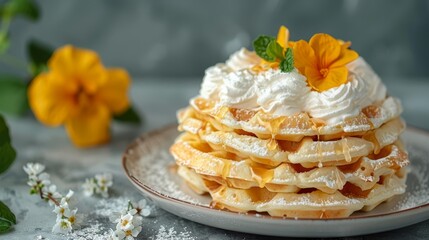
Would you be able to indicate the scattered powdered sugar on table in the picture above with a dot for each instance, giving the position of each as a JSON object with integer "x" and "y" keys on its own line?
{"x": 106, "y": 207}
{"x": 95, "y": 231}
{"x": 418, "y": 184}
{"x": 171, "y": 234}
{"x": 157, "y": 176}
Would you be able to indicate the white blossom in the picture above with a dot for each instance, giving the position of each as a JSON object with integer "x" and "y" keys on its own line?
{"x": 126, "y": 222}
{"x": 63, "y": 210}
{"x": 44, "y": 179}
{"x": 51, "y": 191}
{"x": 62, "y": 226}
{"x": 75, "y": 219}
{"x": 142, "y": 208}
{"x": 99, "y": 184}
{"x": 33, "y": 169}
{"x": 104, "y": 181}
{"x": 89, "y": 187}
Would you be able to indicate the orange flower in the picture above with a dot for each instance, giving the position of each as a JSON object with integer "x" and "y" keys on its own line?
{"x": 79, "y": 93}
{"x": 323, "y": 61}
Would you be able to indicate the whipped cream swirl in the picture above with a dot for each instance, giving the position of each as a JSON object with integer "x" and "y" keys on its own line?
{"x": 281, "y": 93}
{"x": 213, "y": 80}
{"x": 242, "y": 59}
{"x": 239, "y": 90}
{"x": 284, "y": 94}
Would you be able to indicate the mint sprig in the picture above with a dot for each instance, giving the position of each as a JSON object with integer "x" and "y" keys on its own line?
{"x": 270, "y": 50}
{"x": 286, "y": 65}
{"x": 261, "y": 44}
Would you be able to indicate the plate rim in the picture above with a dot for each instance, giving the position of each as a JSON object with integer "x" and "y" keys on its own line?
{"x": 158, "y": 194}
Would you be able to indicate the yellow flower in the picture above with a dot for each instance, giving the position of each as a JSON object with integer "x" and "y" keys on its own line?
{"x": 79, "y": 93}
{"x": 323, "y": 61}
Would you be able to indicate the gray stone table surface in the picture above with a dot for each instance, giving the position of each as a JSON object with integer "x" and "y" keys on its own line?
{"x": 157, "y": 100}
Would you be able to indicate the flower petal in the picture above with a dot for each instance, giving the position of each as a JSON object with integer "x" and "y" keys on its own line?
{"x": 49, "y": 98}
{"x": 335, "y": 78}
{"x": 113, "y": 93}
{"x": 283, "y": 36}
{"x": 90, "y": 126}
{"x": 80, "y": 65}
{"x": 346, "y": 56}
{"x": 326, "y": 48}
{"x": 303, "y": 56}
{"x": 314, "y": 77}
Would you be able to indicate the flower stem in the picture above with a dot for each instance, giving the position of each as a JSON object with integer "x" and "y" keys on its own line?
{"x": 48, "y": 196}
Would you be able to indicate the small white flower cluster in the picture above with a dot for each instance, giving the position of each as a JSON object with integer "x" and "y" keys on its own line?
{"x": 40, "y": 184}
{"x": 98, "y": 185}
{"x": 67, "y": 219}
{"x": 129, "y": 222}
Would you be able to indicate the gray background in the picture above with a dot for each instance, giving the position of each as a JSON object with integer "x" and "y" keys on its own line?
{"x": 177, "y": 39}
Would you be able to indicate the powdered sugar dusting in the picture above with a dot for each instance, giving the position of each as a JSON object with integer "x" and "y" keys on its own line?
{"x": 94, "y": 231}
{"x": 156, "y": 168}
{"x": 172, "y": 234}
{"x": 418, "y": 180}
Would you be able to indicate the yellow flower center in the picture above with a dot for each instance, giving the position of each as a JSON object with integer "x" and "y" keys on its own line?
{"x": 324, "y": 72}
{"x": 125, "y": 222}
{"x": 128, "y": 233}
{"x": 72, "y": 219}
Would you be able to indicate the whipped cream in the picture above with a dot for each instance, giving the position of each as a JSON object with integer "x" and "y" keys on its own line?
{"x": 284, "y": 94}
{"x": 243, "y": 59}
{"x": 281, "y": 93}
{"x": 239, "y": 90}
{"x": 213, "y": 80}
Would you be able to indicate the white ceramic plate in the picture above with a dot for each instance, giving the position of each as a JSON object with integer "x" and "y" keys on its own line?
{"x": 149, "y": 166}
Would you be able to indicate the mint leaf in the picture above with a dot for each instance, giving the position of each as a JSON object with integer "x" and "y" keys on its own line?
{"x": 274, "y": 50}
{"x": 4, "y": 225}
{"x": 287, "y": 65}
{"x": 6, "y": 213}
{"x": 7, "y": 153}
{"x": 129, "y": 116}
{"x": 26, "y": 8}
{"x": 261, "y": 44}
{"x": 39, "y": 54}
{"x": 13, "y": 95}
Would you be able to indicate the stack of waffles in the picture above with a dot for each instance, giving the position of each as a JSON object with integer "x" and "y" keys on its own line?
{"x": 297, "y": 165}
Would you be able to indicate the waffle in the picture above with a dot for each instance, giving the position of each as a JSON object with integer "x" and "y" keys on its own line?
{"x": 228, "y": 168}
{"x": 306, "y": 152}
{"x": 295, "y": 127}
{"x": 308, "y": 203}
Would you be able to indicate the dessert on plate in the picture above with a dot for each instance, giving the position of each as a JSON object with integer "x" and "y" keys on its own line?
{"x": 300, "y": 129}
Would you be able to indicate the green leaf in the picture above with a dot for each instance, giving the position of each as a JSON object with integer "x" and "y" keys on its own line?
{"x": 287, "y": 65}
{"x": 13, "y": 95}
{"x": 4, "y": 225}
{"x": 25, "y": 8}
{"x": 7, "y": 156}
{"x": 274, "y": 50}
{"x": 4, "y": 132}
{"x": 7, "y": 153}
{"x": 39, "y": 54}
{"x": 129, "y": 116}
{"x": 6, "y": 213}
{"x": 260, "y": 46}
